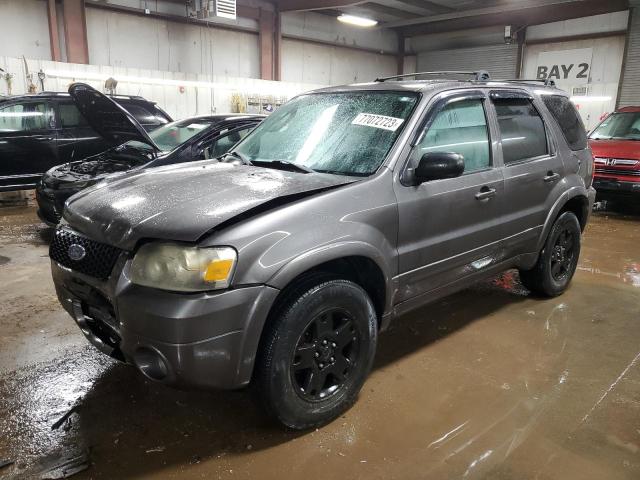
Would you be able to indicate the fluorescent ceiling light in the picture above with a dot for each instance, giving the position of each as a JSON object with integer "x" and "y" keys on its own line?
{"x": 580, "y": 98}
{"x": 359, "y": 21}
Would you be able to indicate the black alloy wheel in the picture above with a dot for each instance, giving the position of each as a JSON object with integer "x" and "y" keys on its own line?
{"x": 325, "y": 355}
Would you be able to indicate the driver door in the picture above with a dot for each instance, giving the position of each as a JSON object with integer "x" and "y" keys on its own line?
{"x": 449, "y": 228}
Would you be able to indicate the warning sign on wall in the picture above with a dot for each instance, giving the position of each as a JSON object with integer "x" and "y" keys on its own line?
{"x": 565, "y": 66}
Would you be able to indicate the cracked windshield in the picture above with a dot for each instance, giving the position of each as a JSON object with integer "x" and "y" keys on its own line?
{"x": 340, "y": 133}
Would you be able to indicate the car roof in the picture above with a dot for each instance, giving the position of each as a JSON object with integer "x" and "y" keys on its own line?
{"x": 117, "y": 98}
{"x": 433, "y": 86}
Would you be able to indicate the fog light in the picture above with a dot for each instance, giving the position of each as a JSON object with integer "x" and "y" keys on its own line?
{"x": 150, "y": 363}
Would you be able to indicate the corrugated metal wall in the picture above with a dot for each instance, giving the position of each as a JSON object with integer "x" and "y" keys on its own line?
{"x": 630, "y": 85}
{"x": 499, "y": 60}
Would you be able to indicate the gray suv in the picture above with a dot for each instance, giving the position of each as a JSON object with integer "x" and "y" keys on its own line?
{"x": 279, "y": 263}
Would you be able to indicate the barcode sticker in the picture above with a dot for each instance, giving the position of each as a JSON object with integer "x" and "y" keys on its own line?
{"x": 378, "y": 121}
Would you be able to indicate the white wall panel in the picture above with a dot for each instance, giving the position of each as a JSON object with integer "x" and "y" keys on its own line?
{"x": 125, "y": 40}
{"x": 604, "y": 75}
{"x": 313, "y": 63}
{"x": 608, "y": 22}
{"x": 24, "y": 29}
{"x": 201, "y": 93}
{"x": 326, "y": 28}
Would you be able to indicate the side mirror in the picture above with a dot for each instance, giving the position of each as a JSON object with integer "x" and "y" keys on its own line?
{"x": 438, "y": 165}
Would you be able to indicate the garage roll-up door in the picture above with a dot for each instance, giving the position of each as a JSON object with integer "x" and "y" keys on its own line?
{"x": 630, "y": 88}
{"x": 499, "y": 60}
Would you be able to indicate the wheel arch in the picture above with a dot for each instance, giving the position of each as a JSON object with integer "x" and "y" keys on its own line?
{"x": 575, "y": 200}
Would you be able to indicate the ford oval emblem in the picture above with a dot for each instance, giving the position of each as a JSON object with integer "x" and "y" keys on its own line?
{"x": 76, "y": 252}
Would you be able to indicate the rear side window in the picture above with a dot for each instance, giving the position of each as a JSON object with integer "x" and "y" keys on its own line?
{"x": 568, "y": 119}
{"x": 521, "y": 129}
{"x": 70, "y": 116}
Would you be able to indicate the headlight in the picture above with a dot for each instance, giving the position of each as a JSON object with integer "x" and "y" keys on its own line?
{"x": 183, "y": 268}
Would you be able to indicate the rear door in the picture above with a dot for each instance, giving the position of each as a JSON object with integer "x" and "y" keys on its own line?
{"x": 450, "y": 228}
{"x": 27, "y": 142}
{"x": 533, "y": 169}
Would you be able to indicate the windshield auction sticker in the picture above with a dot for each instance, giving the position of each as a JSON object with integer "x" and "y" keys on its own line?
{"x": 377, "y": 121}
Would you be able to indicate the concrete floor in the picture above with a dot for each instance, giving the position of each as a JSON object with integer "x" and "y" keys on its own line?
{"x": 489, "y": 383}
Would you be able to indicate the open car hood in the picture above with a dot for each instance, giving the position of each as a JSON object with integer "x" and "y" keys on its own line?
{"x": 106, "y": 117}
{"x": 184, "y": 203}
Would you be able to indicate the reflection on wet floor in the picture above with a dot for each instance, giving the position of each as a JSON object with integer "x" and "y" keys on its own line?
{"x": 488, "y": 383}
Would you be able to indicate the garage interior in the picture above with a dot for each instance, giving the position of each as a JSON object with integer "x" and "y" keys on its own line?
{"x": 490, "y": 382}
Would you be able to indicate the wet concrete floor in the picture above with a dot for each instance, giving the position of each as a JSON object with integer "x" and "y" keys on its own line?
{"x": 489, "y": 383}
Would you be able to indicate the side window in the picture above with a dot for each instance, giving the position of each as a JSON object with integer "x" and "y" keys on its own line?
{"x": 568, "y": 119}
{"x": 25, "y": 117}
{"x": 223, "y": 144}
{"x": 70, "y": 116}
{"x": 461, "y": 127}
{"x": 521, "y": 129}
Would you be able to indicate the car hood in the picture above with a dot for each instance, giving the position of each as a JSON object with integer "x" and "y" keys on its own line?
{"x": 106, "y": 117}
{"x": 616, "y": 148}
{"x": 183, "y": 203}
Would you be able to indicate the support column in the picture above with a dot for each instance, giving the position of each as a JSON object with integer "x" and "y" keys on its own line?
{"x": 54, "y": 39}
{"x": 75, "y": 31}
{"x": 400, "y": 57}
{"x": 277, "y": 45}
{"x": 266, "y": 41}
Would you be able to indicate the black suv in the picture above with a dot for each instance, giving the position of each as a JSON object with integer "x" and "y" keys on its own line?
{"x": 40, "y": 131}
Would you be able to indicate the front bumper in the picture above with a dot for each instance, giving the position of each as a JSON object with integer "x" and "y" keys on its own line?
{"x": 204, "y": 340}
{"x": 613, "y": 187}
{"x": 50, "y": 203}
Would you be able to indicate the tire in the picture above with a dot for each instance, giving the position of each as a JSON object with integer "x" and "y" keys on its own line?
{"x": 558, "y": 259}
{"x": 326, "y": 328}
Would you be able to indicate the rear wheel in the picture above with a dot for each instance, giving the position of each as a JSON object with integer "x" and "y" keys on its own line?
{"x": 317, "y": 352}
{"x": 558, "y": 259}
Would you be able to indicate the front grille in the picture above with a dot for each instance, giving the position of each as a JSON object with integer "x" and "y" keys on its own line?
{"x": 615, "y": 171}
{"x": 98, "y": 259}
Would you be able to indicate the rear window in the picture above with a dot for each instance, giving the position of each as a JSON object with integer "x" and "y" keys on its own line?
{"x": 143, "y": 115}
{"x": 521, "y": 129}
{"x": 568, "y": 119}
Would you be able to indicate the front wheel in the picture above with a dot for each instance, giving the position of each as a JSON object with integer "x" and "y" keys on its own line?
{"x": 317, "y": 352}
{"x": 558, "y": 259}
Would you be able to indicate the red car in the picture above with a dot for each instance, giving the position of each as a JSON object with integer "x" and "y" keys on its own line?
{"x": 615, "y": 143}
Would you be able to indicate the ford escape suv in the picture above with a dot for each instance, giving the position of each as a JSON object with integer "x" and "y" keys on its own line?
{"x": 278, "y": 263}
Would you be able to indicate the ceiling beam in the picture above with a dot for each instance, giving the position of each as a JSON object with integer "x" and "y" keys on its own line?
{"x": 427, "y": 5}
{"x": 383, "y": 9}
{"x": 532, "y": 13}
{"x": 303, "y": 5}
{"x": 495, "y": 10}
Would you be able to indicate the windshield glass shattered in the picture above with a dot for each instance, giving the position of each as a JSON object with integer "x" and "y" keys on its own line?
{"x": 624, "y": 125}
{"x": 174, "y": 134}
{"x": 341, "y": 133}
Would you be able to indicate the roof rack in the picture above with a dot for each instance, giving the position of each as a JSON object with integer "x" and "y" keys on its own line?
{"x": 480, "y": 75}
{"x": 548, "y": 82}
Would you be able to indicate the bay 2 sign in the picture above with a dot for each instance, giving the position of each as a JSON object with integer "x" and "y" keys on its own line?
{"x": 565, "y": 66}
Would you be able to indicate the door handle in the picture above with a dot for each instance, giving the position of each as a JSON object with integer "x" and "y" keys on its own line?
{"x": 551, "y": 176}
{"x": 485, "y": 193}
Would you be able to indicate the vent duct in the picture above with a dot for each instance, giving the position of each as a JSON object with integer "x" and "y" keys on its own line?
{"x": 226, "y": 8}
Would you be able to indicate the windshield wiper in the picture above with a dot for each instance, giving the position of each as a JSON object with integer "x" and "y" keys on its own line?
{"x": 284, "y": 165}
{"x": 238, "y": 156}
